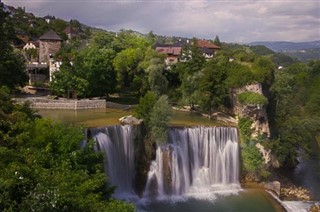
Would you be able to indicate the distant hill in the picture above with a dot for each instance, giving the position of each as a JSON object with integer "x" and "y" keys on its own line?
{"x": 283, "y": 46}
{"x": 303, "y": 51}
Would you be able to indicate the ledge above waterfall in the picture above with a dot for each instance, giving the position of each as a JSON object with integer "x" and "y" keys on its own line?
{"x": 130, "y": 120}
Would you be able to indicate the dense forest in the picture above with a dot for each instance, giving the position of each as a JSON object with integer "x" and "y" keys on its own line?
{"x": 44, "y": 167}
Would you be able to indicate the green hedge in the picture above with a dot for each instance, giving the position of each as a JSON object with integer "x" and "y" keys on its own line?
{"x": 248, "y": 97}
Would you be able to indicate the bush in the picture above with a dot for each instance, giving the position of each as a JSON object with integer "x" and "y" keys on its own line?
{"x": 245, "y": 127}
{"x": 251, "y": 157}
{"x": 250, "y": 98}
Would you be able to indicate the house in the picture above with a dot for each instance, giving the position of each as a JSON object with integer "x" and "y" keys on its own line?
{"x": 172, "y": 53}
{"x": 49, "y": 45}
{"x": 208, "y": 49}
{"x": 69, "y": 31}
{"x": 31, "y": 51}
{"x": 49, "y": 18}
{"x": 53, "y": 67}
{"x": 38, "y": 73}
{"x": 31, "y": 45}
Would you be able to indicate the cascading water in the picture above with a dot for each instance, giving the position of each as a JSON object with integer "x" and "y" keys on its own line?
{"x": 117, "y": 143}
{"x": 195, "y": 160}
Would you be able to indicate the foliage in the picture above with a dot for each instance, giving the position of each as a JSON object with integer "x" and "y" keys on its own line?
{"x": 65, "y": 82}
{"x": 217, "y": 41}
{"x": 262, "y": 69}
{"x": 158, "y": 82}
{"x": 239, "y": 75}
{"x": 248, "y": 97}
{"x": 159, "y": 118}
{"x": 126, "y": 65}
{"x": 251, "y": 157}
{"x": 95, "y": 66}
{"x": 245, "y": 127}
{"x": 155, "y": 111}
{"x": 11, "y": 63}
{"x": 146, "y": 103}
{"x": 44, "y": 168}
{"x": 212, "y": 85}
{"x": 261, "y": 50}
{"x": 295, "y": 118}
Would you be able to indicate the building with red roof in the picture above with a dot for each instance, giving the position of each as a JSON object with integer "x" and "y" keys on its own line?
{"x": 172, "y": 53}
{"x": 208, "y": 48}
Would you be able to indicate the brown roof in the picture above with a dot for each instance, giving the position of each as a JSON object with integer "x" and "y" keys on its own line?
{"x": 69, "y": 30}
{"x": 169, "y": 50}
{"x": 50, "y": 35}
{"x": 35, "y": 43}
{"x": 24, "y": 38}
{"x": 206, "y": 44}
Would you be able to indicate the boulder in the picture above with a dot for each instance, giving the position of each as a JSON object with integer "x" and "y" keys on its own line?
{"x": 274, "y": 186}
{"x": 295, "y": 193}
{"x": 131, "y": 120}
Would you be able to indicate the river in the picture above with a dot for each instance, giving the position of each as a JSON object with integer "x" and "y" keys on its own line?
{"x": 307, "y": 173}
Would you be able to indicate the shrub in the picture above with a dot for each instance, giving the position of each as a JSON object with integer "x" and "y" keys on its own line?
{"x": 249, "y": 98}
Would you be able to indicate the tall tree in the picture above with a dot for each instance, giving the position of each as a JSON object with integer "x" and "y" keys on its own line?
{"x": 216, "y": 41}
{"x": 95, "y": 66}
{"x": 212, "y": 86}
{"x": 11, "y": 63}
{"x": 158, "y": 82}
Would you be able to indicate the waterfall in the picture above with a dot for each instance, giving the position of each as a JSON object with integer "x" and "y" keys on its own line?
{"x": 117, "y": 143}
{"x": 196, "y": 159}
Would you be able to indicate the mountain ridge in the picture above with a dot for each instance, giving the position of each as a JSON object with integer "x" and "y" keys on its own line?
{"x": 284, "y": 46}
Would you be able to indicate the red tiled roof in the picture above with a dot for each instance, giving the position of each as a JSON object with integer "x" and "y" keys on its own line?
{"x": 169, "y": 50}
{"x": 206, "y": 44}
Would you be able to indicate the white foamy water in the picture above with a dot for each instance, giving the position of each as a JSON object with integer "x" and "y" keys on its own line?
{"x": 196, "y": 162}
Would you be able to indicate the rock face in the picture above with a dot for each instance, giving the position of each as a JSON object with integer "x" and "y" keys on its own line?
{"x": 256, "y": 112}
{"x": 315, "y": 207}
{"x": 131, "y": 120}
{"x": 268, "y": 157}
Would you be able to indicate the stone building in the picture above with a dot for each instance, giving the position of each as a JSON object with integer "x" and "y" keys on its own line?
{"x": 50, "y": 44}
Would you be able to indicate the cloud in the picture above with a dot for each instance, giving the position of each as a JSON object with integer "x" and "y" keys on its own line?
{"x": 233, "y": 21}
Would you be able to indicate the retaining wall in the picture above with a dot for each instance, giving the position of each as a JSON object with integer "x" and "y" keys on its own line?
{"x": 40, "y": 103}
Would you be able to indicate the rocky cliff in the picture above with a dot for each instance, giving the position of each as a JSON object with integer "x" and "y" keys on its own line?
{"x": 256, "y": 112}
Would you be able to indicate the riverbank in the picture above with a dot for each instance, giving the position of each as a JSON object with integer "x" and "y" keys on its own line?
{"x": 286, "y": 196}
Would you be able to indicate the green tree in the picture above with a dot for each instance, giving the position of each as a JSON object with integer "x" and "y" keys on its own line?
{"x": 159, "y": 118}
{"x": 126, "y": 64}
{"x": 212, "y": 85}
{"x": 158, "y": 82}
{"x": 44, "y": 168}
{"x": 66, "y": 82}
{"x": 95, "y": 66}
{"x": 216, "y": 41}
{"x": 145, "y": 106}
{"x": 11, "y": 63}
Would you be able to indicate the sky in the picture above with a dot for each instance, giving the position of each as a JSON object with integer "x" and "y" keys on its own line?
{"x": 240, "y": 21}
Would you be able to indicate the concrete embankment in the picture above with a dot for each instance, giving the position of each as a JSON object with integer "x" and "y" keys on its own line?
{"x": 69, "y": 104}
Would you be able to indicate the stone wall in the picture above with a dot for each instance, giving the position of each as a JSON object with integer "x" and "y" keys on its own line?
{"x": 46, "y": 48}
{"x": 41, "y": 103}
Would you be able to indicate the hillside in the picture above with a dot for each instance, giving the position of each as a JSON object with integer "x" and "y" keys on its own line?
{"x": 283, "y": 46}
{"x": 303, "y": 51}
